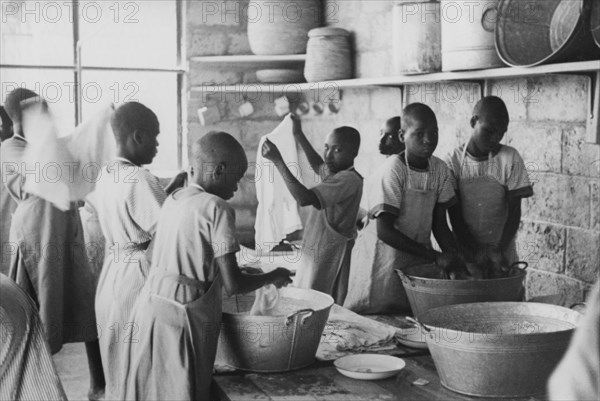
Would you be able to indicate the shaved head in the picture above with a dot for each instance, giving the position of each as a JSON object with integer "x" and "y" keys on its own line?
{"x": 350, "y": 136}
{"x": 131, "y": 117}
{"x": 417, "y": 112}
{"x": 13, "y": 102}
{"x": 218, "y": 147}
{"x": 493, "y": 108}
{"x": 393, "y": 123}
{"x": 219, "y": 163}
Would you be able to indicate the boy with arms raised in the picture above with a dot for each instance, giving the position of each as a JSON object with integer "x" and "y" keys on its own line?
{"x": 49, "y": 263}
{"x": 491, "y": 179}
{"x": 414, "y": 192}
{"x": 179, "y": 311}
{"x": 330, "y": 228}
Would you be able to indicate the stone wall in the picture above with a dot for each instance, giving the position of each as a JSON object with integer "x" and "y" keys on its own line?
{"x": 560, "y": 232}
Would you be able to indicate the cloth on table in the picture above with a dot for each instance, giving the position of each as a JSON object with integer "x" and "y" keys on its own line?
{"x": 266, "y": 301}
{"x": 69, "y": 165}
{"x": 278, "y": 213}
{"x": 348, "y": 333}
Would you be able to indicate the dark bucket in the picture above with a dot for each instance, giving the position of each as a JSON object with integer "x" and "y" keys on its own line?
{"x": 534, "y": 32}
{"x": 425, "y": 290}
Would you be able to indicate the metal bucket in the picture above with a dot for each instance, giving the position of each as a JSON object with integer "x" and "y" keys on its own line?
{"x": 498, "y": 349}
{"x": 468, "y": 35}
{"x": 534, "y": 32}
{"x": 416, "y": 37}
{"x": 425, "y": 290}
{"x": 273, "y": 343}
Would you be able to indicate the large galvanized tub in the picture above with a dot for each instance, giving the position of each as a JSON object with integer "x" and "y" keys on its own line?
{"x": 533, "y": 32}
{"x": 498, "y": 349}
{"x": 283, "y": 342}
{"x": 425, "y": 290}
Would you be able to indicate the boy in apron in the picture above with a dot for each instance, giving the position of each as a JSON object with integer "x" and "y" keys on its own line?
{"x": 374, "y": 287}
{"x": 491, "y": 179}
{"x": 415, "y": 189}
{"x": 179, "y": 311}
{"x": 49, "y": 260}
{"x": 330, "y": 227}
{"x": 127, "y": 199}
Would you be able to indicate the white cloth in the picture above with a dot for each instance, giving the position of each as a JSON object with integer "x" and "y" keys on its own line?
{"x": 277, "y": 214}
{"x": 266, "y": 301}
{"x": 66, "y": 168}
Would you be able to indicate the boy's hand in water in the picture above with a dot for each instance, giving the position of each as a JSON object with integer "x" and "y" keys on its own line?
{"x": 270, "y": 152}
{"x": 282, "y": 277}
{"x": 452, "y": 265}
{"x": 297, "y": 130}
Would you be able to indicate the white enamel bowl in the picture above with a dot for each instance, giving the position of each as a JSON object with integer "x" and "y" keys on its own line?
{"x": 369, "y": 366}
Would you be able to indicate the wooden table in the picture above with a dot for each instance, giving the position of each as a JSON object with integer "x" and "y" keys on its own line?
{"x": 323, "y": 382}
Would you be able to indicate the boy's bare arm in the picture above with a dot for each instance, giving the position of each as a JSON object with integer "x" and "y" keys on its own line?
{"x": 303, "y": 195}
{"x": 396, "y": 239}
{"x": 236, "y": 282}
{"x": 441, "y": 231}
{"x": 512, "y": 222}
{"x": 315, "y": 160}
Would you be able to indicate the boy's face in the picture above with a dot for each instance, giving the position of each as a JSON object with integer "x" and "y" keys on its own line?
{"x": 147, "y": 146}
{"x": 338, "y": 155}
{"x": 390, "y": 144}
{"x": 487, "y": 133}
{"x": 420, "y": 137}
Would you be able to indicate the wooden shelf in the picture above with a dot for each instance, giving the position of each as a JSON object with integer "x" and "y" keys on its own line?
{"x": 401, "y": 80}
{"x": 251, "y": 61}
{"x": 591, "y": 69}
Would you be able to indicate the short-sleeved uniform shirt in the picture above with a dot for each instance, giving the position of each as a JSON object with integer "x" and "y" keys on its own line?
{"x": 339, "y": 195}
{"x": 393, "y": 182}
{"x": 194, "y": 228}
{"x": 128, "y": 199}
{"x": 506, "y": 167}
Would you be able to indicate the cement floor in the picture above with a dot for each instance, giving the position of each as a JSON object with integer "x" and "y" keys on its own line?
{"x": 72, "y": 366}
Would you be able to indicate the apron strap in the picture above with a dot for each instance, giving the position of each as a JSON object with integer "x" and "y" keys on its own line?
{"x": 464, "y": 155}
{"x": 409, "y": 172}
{"x": 188, "y": 282}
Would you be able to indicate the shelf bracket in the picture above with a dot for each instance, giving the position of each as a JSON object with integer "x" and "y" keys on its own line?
{"x": 593, "y": 118}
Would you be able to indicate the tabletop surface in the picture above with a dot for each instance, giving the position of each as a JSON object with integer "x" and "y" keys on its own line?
{"x": 322, "y": 381}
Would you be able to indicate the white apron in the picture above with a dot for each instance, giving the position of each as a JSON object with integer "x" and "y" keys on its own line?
{"x": 484, "y": 207}
{"x": 325, "y": 260}
{"x": 179, "y": 320}
{"x": 374, "y": 285}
